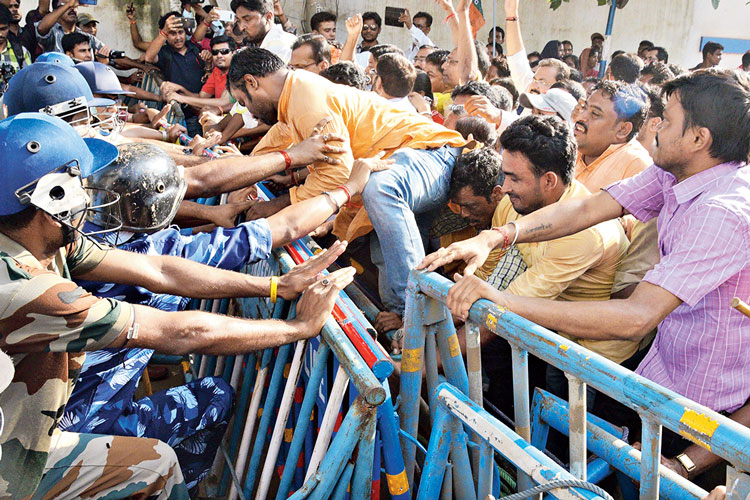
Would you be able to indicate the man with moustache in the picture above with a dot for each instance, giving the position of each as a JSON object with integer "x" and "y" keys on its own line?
{"x": 698, "y": 191}
{"x": 60, "y": 21}
{"x": 605, "y": 131}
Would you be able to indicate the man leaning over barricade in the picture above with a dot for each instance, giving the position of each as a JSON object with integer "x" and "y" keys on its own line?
{"x": 698, "y": 189}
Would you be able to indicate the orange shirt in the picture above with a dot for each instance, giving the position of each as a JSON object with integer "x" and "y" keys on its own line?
{"x": 618, "y": 162}
{"x": 368, "y": 123}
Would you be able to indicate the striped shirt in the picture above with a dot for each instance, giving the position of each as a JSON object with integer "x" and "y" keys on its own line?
{"x": 10, "y": 57}
{"x": 702, "y": 348}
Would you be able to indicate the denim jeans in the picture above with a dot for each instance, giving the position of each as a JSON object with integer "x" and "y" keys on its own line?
{"x": 401, "y": 203}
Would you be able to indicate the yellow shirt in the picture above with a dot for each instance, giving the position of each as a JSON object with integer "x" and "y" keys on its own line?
{"x": 369, "y": 125}
{"x": 442, "y": 99}
{"x": 618, "y": 162}
{"x": 577, "y": 267}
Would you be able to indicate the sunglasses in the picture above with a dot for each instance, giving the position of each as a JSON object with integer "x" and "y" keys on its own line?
{"x": 221, "y": 51}
{"x": 368, "y": 27}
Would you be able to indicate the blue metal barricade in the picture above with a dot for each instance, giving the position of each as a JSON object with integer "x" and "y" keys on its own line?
{"x": 458, "y": 418}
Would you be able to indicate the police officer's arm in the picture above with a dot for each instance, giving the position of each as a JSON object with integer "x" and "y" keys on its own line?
{"x": 302, "y": 218}
{"x": 201, "y": 332}
{"x": 229, "y": 174}
{"x": 178, "y": 276}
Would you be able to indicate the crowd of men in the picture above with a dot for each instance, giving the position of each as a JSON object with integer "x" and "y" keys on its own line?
{"x": 614, "y": 211}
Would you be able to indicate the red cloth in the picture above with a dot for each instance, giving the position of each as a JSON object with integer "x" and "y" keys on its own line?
{"x": 216, "y": 83}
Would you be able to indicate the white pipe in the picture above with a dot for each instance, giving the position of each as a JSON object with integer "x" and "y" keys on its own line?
{"x": 329, "y": 420}
{"x": 247, "y": 433}
{"x": 287, "y": 398}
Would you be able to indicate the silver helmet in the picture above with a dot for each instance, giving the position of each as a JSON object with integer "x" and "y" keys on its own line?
{"x": 150, "y": 184}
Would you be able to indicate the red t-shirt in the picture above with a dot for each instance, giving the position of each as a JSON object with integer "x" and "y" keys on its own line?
{"x": 216, "y": 83}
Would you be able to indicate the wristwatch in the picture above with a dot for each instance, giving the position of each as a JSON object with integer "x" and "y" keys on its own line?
{"x": 685, "y": 461}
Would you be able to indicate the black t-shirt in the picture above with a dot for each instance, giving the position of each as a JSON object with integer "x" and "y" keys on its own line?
{"x": 186, "y": 70}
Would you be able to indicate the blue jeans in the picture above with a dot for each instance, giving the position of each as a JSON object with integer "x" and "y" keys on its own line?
{"x": 401, "y": 203}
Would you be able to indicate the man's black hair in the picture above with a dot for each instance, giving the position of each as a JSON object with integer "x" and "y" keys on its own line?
{"x": 661, "y": 54}
{"x": 496, "y": 29}
{"x": 437, "y": 58}
{"x": 547, "y": 142}
{"x": 427, "y": 16}
{"x": 746, "y": 59}
{"x": 252, "y": 61}
{"x": 423, "y": 84}
{"x": 321, "y": 17}
{"x": 574, "y": 59}
{"x": 645, "y": 43}
{"x": 592, "y": 79}
{"x": 501, "y": 65}
{"x": 70, "y": 40}
{"x": 626, "y": 68}
{"x": 497, "y": 47}
{"x": 483, "y": 60}
{"x": 659, "y": 73}
{"x": 576, "y": 75}
{"x": 481, "y": 169}
{"x": 617, "y": 53}
{"x": 384, "y": 48}
{"x": 710, "y": 48}
{"x": 346, "y": 73}
{"x": 163, "y": 19}
{"x": 629, "y": 101}
{"x": 374, "y": 16}
{"x": 479, "y": 88}
{"x": 224, "y": 39}
{"x": 321, "y": 49}
{"x": 507, "y": 84}
{"x": 718, "y": 100}
{"x": 566, "y": 41}
{"x": 396, "y": 74}
{"x": 571, "y": 87}
{"x": 656, "y": 101}
{"x": 263, "y": 7}
{"x": 6, "y": 18}
{"x": 18, "y": 220}
{"x": 677, "y": 69}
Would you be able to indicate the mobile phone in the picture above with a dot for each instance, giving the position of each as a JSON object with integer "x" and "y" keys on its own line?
{"x": 87, "y": 2}
{"x": 391, "y": 16}
{"x": 130, "y": 8}
{"x": 188, "y": 23}
{"x": 225, "y": 16}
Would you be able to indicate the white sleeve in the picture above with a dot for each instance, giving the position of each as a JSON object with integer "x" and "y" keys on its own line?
{"x": 520, "y": 70}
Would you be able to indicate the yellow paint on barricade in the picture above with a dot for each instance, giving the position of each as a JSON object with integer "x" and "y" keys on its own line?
{"x": 700, "y": 423}
{"x": 398, "y": 483}
{"x": 411, "y": 360}
{"x": 453, "y": 346}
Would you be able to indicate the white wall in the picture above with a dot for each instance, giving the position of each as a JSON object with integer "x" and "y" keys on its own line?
{"x": 675, "y": 24}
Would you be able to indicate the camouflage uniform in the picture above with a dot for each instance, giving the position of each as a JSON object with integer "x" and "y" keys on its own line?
{"x": 46, "y": 321}
{"x": 191, "y": 418}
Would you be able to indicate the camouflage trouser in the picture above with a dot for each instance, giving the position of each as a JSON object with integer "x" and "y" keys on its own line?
{"x": 97, "y": 466}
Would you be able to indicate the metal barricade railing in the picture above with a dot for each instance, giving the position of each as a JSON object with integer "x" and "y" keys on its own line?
{"x": 273, "y": 441}
{"x": 429, "y": 329}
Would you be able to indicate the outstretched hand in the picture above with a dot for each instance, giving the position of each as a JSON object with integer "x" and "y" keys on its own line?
{"x": 473, "y": 251}
{"x": 362, "y": 169}
{"x": 303, "y": 275}
{"x": 316, "y": 148}
{"x": 468, "y": 289}
{"x": 316, "y": 304}
{"x": 354, "y": 25}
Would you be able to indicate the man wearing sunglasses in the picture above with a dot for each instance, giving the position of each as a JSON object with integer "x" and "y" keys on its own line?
{"x": 214, "y": 91}
{"x": 371, "y": 23}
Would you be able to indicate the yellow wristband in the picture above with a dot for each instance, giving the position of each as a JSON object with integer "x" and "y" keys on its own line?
{"x": 274, "y": 287}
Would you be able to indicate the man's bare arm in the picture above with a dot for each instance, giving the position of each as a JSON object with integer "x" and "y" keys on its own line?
{"x": 465, "y": 50}
{"x": 197, "y": 331}
{"x": 548, "y": 223}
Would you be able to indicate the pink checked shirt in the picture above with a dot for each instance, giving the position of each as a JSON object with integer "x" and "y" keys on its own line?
{"x": 702, "y": 349}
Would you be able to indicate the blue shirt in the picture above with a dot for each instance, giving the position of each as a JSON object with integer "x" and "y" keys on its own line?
{"x": 183, "y": 69}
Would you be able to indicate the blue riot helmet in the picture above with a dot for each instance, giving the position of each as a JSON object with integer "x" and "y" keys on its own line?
{"x": 54, "y": 89}
{"x": 43, "y": 164}
{"x": 102, "y": 80}
{"x": 55, "y": 57}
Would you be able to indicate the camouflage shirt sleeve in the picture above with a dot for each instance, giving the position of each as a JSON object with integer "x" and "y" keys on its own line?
{"x": 84, "y": 255}
{"x": 45, "y": 312}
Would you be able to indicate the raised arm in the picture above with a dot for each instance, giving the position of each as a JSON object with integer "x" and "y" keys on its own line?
{"x": 135, "y": 35}
{"x": 353, "y": 29}
{"x": 152, "y": 53}
{"x": 451, "y": 17}
{"x": 548, "y": 223}
{"x": 49, "y": 20}
{"x": 465, "y": 50}
{"x": 518, "y": 63}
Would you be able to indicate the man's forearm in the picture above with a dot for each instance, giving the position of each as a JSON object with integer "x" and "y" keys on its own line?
{"x": 466, "y": 52}
{"x": 564, "y": 218}
{"x": 193, "y": 99}
{"x": 513, "y": 37}
{"x": 49, "y": 20}
{"x": 300, "y": 219}
{"x": 154, "y": 48}
{"x": 195, "y": 331}
{"x": 230, "y": 174}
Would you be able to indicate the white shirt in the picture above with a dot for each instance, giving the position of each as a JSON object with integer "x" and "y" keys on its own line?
{"x": 403, "y": 103}
{"x": 418, "y": 39}
{"x": 520, "y": 70}
{"x": 279, "y": 42}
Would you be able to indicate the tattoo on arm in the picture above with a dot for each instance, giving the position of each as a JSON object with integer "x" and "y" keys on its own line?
{"x": 541, "y": 227}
